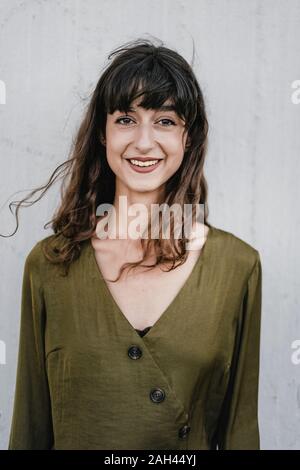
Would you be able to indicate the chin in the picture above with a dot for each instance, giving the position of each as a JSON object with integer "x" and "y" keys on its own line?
{"x": 142, "y": 188}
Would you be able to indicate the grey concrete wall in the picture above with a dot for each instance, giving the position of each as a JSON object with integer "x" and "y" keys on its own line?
{"x": 247, "y": 58}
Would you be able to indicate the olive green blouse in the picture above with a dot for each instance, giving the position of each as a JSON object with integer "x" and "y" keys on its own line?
{"x": 87, "y": 380}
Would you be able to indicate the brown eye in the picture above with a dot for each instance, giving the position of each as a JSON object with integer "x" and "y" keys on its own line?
{"x": 169, "y": 120}
{"x": 122, "y": 119}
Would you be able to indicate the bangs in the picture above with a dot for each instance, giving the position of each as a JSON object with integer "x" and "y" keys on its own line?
{"x": 155, "y": 80}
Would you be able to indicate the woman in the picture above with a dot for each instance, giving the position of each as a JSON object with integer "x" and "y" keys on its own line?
{"x": 165, "y": 357}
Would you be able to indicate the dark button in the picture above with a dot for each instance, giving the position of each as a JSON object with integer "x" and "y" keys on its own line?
{"x": 134, "y": 352}
{"x": 183, "y": 432}
{"x": 157, "y": 395}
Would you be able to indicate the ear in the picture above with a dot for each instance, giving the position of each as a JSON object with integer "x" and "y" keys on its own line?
{"x": 188, "y": 142}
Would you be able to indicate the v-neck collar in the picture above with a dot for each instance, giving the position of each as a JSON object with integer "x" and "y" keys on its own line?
{"x": 97, "y": 274}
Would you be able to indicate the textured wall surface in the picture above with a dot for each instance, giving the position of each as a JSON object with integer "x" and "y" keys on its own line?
{"x": 247, "y": 58}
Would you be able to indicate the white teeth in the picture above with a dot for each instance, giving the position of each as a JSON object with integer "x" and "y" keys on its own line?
{"x": 148, "y": 163}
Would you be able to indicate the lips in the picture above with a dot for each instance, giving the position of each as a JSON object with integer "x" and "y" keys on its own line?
{"x": 144, "y": 169}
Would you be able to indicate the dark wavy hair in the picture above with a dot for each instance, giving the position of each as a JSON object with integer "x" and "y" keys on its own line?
{"x": 156, "y": 73}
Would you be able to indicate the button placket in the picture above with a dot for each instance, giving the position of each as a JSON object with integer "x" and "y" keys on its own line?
{"x": 157, "y": 395}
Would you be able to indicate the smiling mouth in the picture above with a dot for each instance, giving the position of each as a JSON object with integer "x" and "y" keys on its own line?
{"x": 142, "y": 163}
{"x": 143, "y": 167}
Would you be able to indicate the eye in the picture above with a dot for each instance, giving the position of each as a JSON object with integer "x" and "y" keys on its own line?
{"x": 122, "y": 119}
{"x": 170, "y": 120}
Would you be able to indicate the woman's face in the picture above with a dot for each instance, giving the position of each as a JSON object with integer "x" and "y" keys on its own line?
{"x": 155, "y": 134}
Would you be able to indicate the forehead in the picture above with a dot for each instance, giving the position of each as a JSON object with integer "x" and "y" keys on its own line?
{"x": 135, "y": 106}
{"x": 168, "y": 104}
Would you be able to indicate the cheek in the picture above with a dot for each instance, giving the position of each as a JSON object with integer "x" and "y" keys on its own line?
{"x": 115, "y": 145}
{"x": 175, "y": 155}
{"x": 115, "y": 142}
{"x": 174, "y": 162}
{"x": 114, "y": 151}
{"x": 175, "y": 145}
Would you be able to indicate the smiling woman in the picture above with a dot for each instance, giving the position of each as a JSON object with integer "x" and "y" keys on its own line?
{"x": 156, "y": 358}
{"x": 147, "y": 140}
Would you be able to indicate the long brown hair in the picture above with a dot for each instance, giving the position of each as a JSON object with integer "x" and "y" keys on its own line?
{"x": 157, "y": 73}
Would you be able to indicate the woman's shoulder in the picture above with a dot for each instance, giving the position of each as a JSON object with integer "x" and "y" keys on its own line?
{"x": 35, "y": 257}
{"x": 44, "y": 252}
{"x": 233, "y": 250}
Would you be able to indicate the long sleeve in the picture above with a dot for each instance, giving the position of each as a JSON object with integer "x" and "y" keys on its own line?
{"x": 31, "y": 426}
{"x": 238, "y": 425}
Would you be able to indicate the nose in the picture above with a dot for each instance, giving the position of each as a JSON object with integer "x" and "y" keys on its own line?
{"x": 144, "y": 138}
